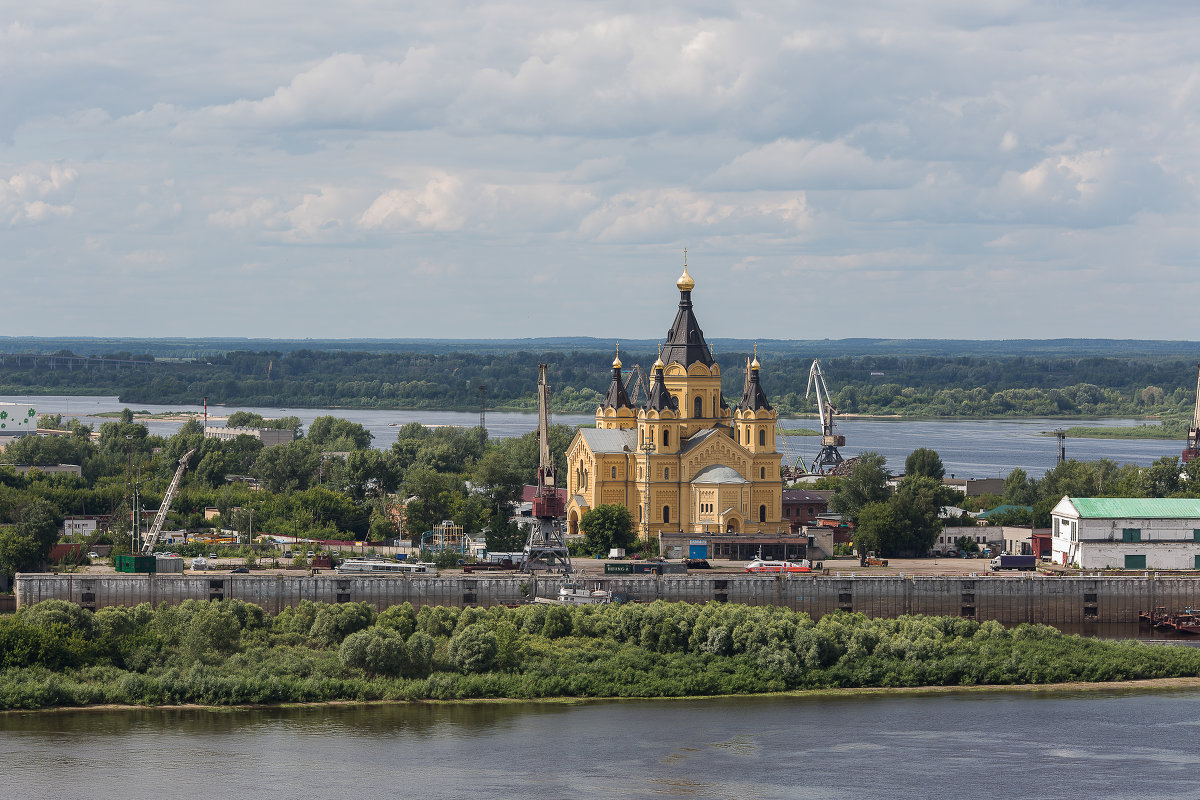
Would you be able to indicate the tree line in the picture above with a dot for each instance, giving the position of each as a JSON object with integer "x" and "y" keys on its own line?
{"x": 923, "y": 385}
{"x": 230, "y": 652}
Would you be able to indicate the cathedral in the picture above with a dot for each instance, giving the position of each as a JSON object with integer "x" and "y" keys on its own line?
{"x": 690, "y": 469}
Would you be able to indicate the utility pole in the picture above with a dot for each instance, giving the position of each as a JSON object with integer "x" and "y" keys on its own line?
{"x": 482, "y": 414}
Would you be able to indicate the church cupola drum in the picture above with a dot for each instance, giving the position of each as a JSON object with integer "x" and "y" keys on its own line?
{"x": 683, "y": 462}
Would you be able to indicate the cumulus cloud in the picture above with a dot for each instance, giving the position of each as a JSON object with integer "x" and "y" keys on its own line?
{"x": 37, "y": 193}
{"x": 899, "y": 152}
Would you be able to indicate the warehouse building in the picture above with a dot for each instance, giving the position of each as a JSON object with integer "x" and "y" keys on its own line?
{"x": 1126, "y": 533}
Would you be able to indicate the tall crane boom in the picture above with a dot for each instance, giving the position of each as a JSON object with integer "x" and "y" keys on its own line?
{"x": 1193, "y": 438}
{"x": 546, "y": 546}
{"x": 161, "y": 517}
{"x": 830, "y": 441}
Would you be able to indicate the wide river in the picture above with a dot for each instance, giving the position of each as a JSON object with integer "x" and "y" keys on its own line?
{"x": 1120, "y": 744}
{"x": 969, "y": 448}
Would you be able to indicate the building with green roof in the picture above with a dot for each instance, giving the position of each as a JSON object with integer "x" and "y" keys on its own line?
{"x": 1161, "y": 533}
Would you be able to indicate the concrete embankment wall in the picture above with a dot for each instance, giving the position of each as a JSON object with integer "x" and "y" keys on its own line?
{"x": 1009, "y": 599}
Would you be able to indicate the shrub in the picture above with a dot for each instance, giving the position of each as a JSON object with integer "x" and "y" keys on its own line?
{"x": 473, "y": 649}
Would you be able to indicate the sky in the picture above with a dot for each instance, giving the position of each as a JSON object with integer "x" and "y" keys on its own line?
{"x": 983, "y": 170}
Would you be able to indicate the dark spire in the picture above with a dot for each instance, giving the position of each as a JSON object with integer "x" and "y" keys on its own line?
{"x": 753, "y": 396}
{"x": 617, "y": 397}
{"x": 660, "y": 399}
{"x": 685, "y": 341}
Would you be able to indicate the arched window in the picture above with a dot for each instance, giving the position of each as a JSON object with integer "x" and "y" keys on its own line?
{"x": 666, "y": 473}
{"x": 699, "y": 408}
{"x": 666, "y": 438}
{"x": 641, "y": 436}
{"x": 762, "y": 513}
{"x": 667, "y": 513}
{"x": 762, "y": 437}
{"x": 762, "y": 473}
{"x": 613, "y": 472}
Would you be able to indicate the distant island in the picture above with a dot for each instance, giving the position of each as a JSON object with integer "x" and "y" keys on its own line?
{"x": 903, "y": 378}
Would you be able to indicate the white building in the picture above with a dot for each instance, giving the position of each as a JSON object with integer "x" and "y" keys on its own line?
{"x": 269, "y": 436}
{"x": 1126, "y": 533}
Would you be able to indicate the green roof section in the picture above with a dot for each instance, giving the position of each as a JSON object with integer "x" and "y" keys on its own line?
{"x": 1136, "y": 507}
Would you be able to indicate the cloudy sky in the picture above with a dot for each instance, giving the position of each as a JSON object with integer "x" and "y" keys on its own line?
{"x": 372, "y": 168}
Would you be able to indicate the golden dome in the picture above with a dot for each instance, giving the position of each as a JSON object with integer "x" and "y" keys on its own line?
{"x": 754, "y": 364}
{"x": 617, "y": 358}
{"x": 658, "y": 364}
{"x": 685, "y": 282}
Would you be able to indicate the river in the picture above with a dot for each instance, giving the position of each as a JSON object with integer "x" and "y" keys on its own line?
{"x": 969, "y": 448}
{"x": 1118, "y": 744}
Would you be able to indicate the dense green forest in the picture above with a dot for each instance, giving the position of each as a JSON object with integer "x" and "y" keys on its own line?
{"x": 908, "y": 385}
{"x": 230, "y": 652}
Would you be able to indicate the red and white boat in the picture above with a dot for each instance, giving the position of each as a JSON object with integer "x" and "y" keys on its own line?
{"x": 758, "y": 565}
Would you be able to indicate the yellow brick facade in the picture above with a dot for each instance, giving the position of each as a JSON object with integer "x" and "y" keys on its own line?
{"x": 711, "y": 468}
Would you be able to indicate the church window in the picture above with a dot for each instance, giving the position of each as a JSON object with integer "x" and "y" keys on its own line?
{"x": 699, "y": 410}
{"x": 667, "y": 513}
{"x": 762, "y": 513}
{"x": 666, "y": 473}
{"x": 641, "y": 436}
{"x": 666, "y": 438}
{"x": 612, "y": 472}
{"x": 762, "y": 473}
{"x": 762, "y": 437}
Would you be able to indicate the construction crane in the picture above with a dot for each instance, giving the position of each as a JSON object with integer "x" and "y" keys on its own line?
{"x": 547, "y": 544}
{"x": 830, "y": 441}
{"x": 161, "y": 517}
{"x": 1193, "y": 440}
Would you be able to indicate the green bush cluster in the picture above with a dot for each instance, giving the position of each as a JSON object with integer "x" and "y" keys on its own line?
{"x": 231, "y": 652}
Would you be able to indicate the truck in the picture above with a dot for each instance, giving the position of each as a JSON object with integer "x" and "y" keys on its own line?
{"x": 1013, "y": 562}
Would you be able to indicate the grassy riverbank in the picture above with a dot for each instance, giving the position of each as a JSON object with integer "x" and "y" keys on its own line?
{"x": 1167, "y": 429}
{"x": 231, "y": 653}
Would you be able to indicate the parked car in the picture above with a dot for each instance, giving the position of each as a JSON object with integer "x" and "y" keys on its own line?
{"x": 239, "y": 570}
{"x": 287, "y": 553}
{"x": 93, "y": 554}
{"x": 310, "y": 554}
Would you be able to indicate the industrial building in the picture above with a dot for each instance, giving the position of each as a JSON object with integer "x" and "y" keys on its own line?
{"x": 268, "y": 436}
{"x": 1126, "y": 533}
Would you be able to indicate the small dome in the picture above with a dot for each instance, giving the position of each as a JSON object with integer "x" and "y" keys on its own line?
{"x": 754, "y": 364}
{"x": 617, "y": 362}
{"x": 658, "y": 364}
{"x": 685, "y": 282}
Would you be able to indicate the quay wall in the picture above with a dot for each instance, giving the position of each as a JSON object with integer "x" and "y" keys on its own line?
{"x": 1010, "y": 599}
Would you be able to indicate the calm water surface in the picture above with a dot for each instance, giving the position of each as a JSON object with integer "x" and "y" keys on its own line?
{"x": 969, "y": 448}
{"x": 1112, "y": 745}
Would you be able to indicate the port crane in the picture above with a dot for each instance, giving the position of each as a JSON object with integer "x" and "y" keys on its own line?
{"x": 547, "y": 544}
{"x": 830, "y": 441}
{"x": 1193, "y": 437}
{"x": 161, "y": 517}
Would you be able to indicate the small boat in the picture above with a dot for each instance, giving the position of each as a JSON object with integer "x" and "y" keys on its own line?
{"x": 574, "y": 593}
{"x": 759, "y": 565}
{"x": 1186, "y": 622}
